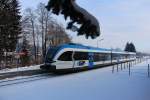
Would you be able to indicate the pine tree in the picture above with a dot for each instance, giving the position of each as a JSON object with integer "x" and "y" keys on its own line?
{"x": 130, "y": 47}
{"x": 10, "y": 27}
{"x": 15, "y": 27}
{"x": 127, "y": 47}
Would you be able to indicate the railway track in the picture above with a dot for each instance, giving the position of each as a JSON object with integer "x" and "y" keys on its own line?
{"x": 25, "y": 79}
{"x": 32, "y": 75}
{"x": 21, "y": 73}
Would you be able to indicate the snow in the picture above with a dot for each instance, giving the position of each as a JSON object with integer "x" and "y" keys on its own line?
{"x": 99, "y": 84}
{"x": 20, "y": 69}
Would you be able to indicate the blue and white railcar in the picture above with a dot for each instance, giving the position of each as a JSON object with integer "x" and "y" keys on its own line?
{"x": 71, "y": 56}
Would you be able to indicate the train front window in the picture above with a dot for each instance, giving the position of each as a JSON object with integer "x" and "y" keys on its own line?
{"x": 51, "y": 52}
{"x": 66, "y": 56}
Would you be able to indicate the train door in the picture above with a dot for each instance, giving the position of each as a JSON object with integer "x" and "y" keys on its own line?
{"x": 118, "y": 58}
{"x": 73, "y": 59}
{"x": 80, "y": 59}
{"x": 91, "y": 60}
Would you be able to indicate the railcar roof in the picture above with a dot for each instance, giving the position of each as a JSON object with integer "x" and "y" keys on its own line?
{"x": 80, "y": 46}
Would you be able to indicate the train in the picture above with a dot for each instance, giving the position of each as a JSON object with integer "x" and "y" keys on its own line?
{"x": 77, "y": 56}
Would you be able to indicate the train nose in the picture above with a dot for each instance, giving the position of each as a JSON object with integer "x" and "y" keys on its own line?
{"x": 48, "y": 67}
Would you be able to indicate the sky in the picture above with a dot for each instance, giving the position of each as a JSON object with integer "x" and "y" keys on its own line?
{"x": 121, "y": 21}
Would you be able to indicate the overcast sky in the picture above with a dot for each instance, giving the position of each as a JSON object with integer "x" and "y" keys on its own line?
{"x": 120, "y": 20}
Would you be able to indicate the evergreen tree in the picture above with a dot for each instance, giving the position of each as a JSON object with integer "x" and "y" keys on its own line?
{"x": 10, "y": 27}
{"x": 127, "y": 47}
{"x": 15, "y": 27}
{"x": 130, "y": 47}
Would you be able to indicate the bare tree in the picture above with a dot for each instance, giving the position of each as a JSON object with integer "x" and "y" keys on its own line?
{"x": 48, "y": 31}
{"x": 29, "y": 14}
{"x": 37, "y": 42}
{"x": 44, "y": 18}
{"x": 57, "y": 34}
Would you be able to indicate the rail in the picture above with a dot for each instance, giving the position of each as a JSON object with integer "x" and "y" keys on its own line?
{"x": 26, "y": 79}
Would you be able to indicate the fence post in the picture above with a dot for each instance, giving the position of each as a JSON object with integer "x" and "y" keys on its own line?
{"x": 113, "y": 69}
{"x": 117, "y": 67}
{"x": 124, "y": 65}
{"x": 121, "y": 66}
{"x": 129, "y": 69}
{"x": 148, "y": 70}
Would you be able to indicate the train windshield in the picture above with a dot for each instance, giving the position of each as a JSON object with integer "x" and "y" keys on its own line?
{"x": 51, "y": 53}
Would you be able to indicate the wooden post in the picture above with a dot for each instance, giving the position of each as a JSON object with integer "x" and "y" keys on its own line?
{"x": 113, "y": 69}
{"x": 124, "y": 65}
{"x": 148, "y": 71}
{"x": 121, "y": 66}
{"x": 117, "y": 67}
{"x": 130, "y": 64}
{"x": 129, "y": 69}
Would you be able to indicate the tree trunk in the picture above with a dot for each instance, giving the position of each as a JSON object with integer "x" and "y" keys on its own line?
{"x": 33, "y": 33}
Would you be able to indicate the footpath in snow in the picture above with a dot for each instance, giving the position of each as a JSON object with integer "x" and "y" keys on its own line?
{"x": 99, "y": 84}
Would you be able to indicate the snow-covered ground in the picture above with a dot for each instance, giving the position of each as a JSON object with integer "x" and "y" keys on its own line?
{"x": 99, "y": 84}
{"x": 20, "y": 69}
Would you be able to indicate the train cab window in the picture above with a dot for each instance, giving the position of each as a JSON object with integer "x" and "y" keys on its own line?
{"x": 66, "y": 56}
{"x": 51, "y": 53}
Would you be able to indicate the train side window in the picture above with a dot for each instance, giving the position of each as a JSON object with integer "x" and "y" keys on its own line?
{"x": 66, "y": 56}
{"x": 81, "y": 56}
{"x": 114, "y": 56}
{"x": 101, "y": 57}
{"x": 108, "y": 56}
{"x": 98, "y": 57}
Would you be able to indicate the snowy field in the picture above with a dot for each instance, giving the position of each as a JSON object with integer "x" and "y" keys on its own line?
{"x": 99, "y": 84}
